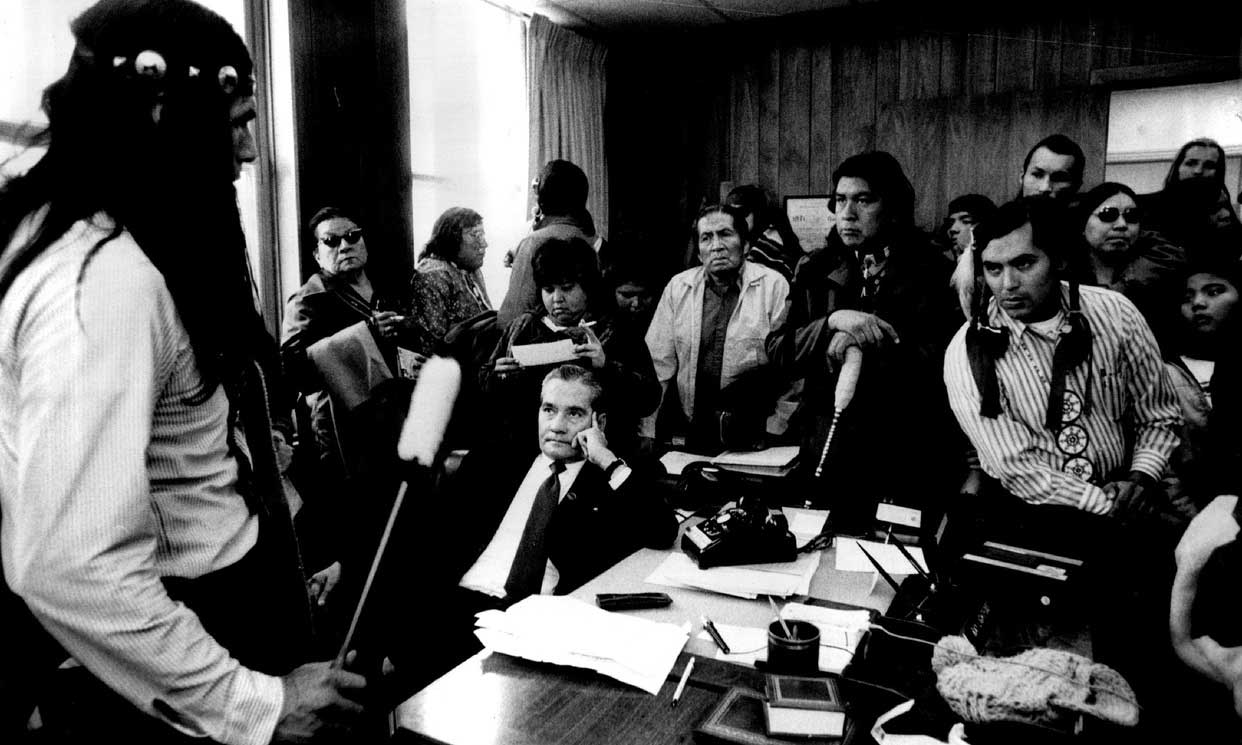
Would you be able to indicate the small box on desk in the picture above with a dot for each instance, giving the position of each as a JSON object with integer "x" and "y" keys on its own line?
{"x": 803, "y": 706}
{"x": 740, "y": 718}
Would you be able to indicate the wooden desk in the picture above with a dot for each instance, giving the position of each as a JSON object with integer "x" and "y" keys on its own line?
{"x": 494, "y": 699}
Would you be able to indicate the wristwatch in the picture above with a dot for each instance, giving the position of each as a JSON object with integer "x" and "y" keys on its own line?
{"x": 612, "y": 467}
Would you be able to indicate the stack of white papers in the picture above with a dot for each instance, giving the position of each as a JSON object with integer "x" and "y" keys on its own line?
{"x": 748, "y": 581}
{"x": 839, "y": 634}
{"x": 568, "y": 631}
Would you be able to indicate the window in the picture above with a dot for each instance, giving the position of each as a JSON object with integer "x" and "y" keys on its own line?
{"x": 1147, "y": 127}
{"x": 37, "y": 48}
{"x": 468, "y": 122}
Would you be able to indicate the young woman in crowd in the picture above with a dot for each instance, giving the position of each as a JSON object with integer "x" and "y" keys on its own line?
{"x": 568, "y": 280}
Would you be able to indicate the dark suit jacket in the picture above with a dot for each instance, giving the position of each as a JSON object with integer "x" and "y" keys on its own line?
{"x": 592, "y": 529}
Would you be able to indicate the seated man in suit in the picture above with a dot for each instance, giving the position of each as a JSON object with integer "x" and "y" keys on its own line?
{"x": 525, "y": 523}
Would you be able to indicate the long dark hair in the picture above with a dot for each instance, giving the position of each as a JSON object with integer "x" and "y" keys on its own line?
{"x": 447, "y": 232}
{"x": 154, "y": 154}
{"x": 1172, "y": 176}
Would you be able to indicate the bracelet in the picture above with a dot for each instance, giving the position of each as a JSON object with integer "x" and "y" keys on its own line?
{"x": 612, "y": 467}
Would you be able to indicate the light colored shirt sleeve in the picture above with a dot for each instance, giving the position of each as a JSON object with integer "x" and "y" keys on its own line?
{"x": 662, "y": 346}
{"x": 1156, "y": 410}
{"x": 1006, "y": 446}
{"x": 79, "y": 535}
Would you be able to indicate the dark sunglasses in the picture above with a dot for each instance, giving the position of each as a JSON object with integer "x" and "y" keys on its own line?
{"x": 352, "y": 237}
{"x": 1110, "y": 214}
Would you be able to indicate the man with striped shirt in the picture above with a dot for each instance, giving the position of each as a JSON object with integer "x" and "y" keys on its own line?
{"x": 1061, "y": 391}
{"x": 1059, "y": 388}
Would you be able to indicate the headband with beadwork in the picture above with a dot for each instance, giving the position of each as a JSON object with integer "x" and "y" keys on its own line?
{"x": 151, "y": 65}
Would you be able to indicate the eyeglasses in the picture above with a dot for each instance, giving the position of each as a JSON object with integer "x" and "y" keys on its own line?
{"x": 351, "y": 237}
{"x": 475, "y": 232}
{"x": 1110, "y": 214}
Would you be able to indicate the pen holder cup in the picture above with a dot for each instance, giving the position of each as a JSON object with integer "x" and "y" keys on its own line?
{"x": 796, "y": 652}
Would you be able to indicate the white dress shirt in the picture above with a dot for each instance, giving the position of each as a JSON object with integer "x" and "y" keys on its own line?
{"x": 491, "y": 570}
{"x": 109, "y": 481}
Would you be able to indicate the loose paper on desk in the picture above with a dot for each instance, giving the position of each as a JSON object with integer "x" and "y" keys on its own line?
{"x": 748, "y": 581}
{"x": 839, "y": 630}
{"x": 676, "y": 461}
{"x": 547, "y": 353}
{"x": 850, "y": 559}
{"x": 777, "y": 457}
{"x": 567, "y": 631}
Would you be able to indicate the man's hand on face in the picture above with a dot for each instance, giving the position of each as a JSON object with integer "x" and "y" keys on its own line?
{"x": 594, "y": 444}
{"x": 868, "y": 329}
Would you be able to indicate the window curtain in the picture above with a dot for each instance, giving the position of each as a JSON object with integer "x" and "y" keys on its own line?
{"x": 566, "y": 90}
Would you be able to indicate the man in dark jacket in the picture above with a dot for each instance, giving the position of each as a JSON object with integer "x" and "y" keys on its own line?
{"x": 513, "y": 522}
{"x": 879, "y": 285}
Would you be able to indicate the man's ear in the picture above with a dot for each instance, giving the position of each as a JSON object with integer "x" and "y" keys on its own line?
{"x": 599, "y": 419}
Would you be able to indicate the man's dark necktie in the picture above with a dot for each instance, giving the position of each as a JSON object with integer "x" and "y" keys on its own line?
{"x": 531, "y": 559}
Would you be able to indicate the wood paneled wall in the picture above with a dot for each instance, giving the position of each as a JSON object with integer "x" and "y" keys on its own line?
{"x": 959, "y": 101}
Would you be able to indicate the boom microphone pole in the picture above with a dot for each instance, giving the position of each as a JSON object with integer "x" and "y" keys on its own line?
{"x": 431, "y": 405}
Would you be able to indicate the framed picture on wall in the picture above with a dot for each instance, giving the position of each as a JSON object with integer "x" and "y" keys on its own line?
{"x": 810, "y": 219}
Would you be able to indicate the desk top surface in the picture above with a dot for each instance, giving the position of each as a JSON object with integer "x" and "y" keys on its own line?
{"x": 493, "y": 698}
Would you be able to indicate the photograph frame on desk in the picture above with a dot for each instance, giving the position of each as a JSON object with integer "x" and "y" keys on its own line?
{"x": 739, "y": 718}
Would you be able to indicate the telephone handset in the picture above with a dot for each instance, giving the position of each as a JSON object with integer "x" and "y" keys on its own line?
{"x": 745, "y": 534}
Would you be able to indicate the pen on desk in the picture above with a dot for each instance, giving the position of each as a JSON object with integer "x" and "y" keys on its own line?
{"x": 716, "y": 637}
{"x": 779, "y": 617}
{"x": 917, "y": 566}
{"x": 681, "y": 684}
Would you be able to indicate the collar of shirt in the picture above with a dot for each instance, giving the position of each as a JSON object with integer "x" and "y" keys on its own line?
{"x": 582, "y": 323}
{"x": 720, "y": 288}
{"x": 1047, "y": 330}
{"x": 572, "y": 468}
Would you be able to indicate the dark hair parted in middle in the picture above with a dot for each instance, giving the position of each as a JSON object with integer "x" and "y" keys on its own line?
{"x": 446, "y": 233}
{"x": 1174, "y": 175}
{"x": 886, "y": 179}
{"x": 561, "y": 261}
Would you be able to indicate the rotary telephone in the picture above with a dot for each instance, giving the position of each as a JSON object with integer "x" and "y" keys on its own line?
{"x": 743, "y": 534}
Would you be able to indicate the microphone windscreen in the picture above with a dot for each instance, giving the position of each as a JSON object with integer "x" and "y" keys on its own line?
{"x": 847, "y": 379}
{"x": 431, "y": 406}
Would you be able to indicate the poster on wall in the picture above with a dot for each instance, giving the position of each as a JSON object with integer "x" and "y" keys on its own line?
{"x": 810, "y": 219}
